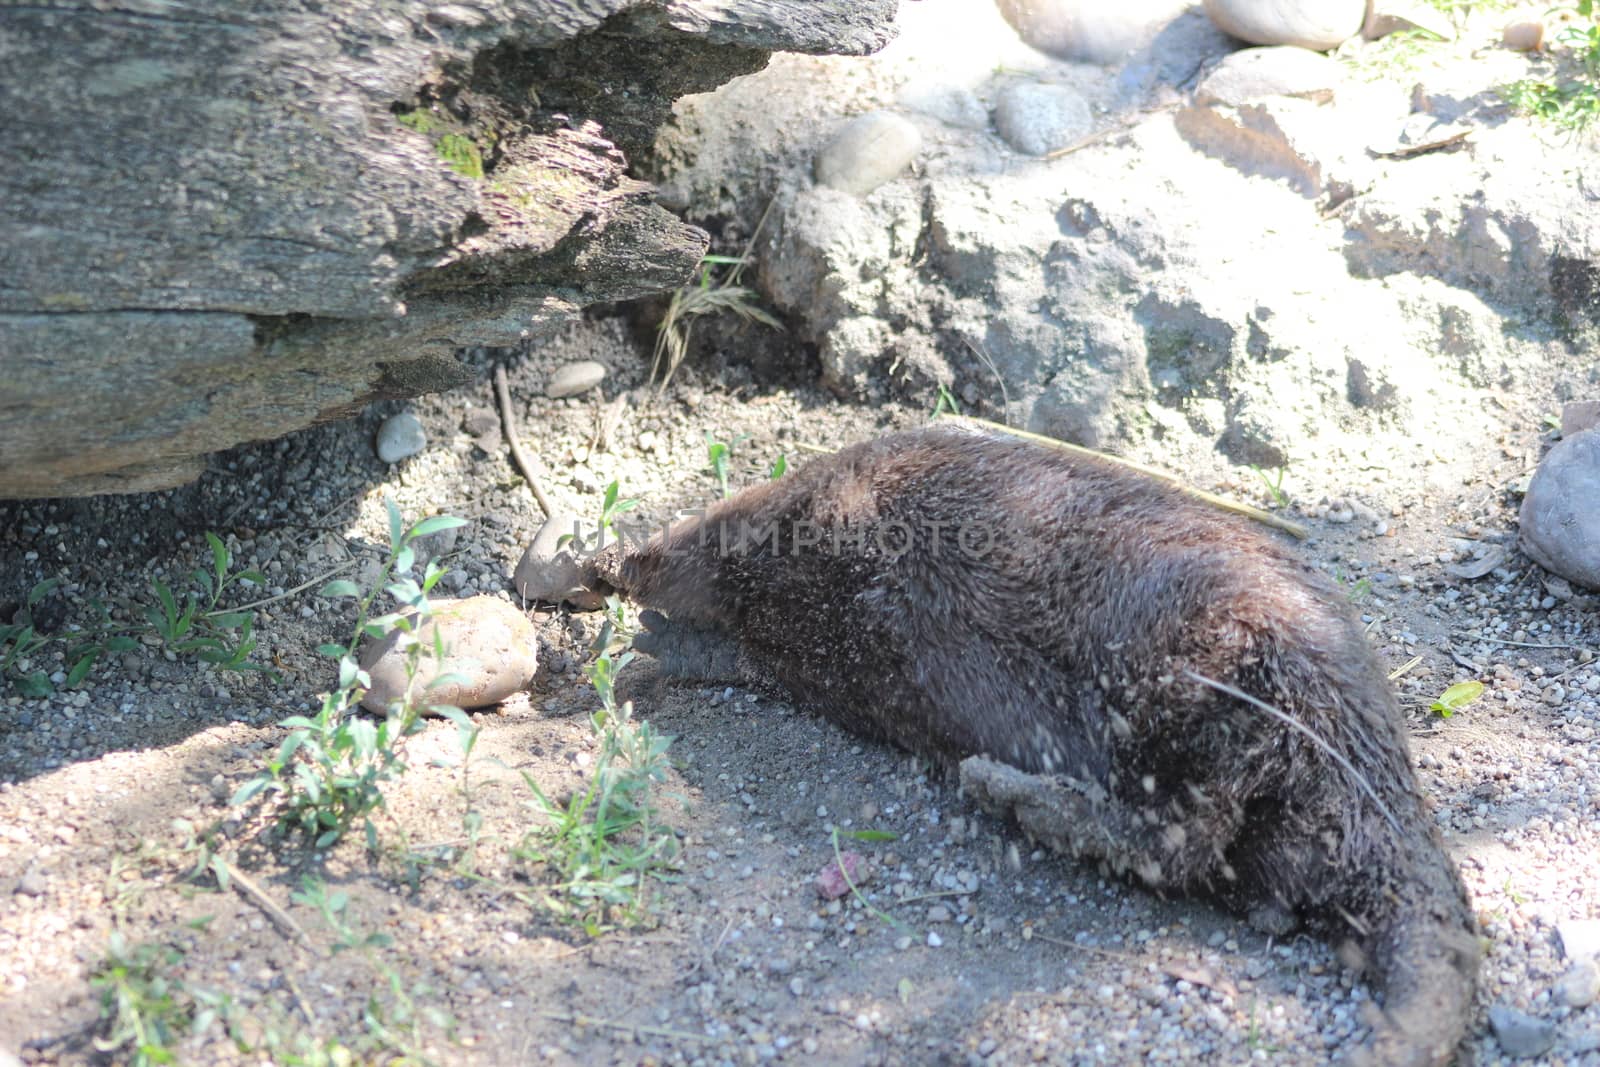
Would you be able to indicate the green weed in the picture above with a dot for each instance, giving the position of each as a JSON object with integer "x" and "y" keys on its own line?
{"x": 1274, "y": 484}
{"x": 1571, "y": 98}
{"x": 188, "y": 624}
{"x": 944, "y": 403}
{"x": 396, "y": 1016}
{"x": 144, "y": 1008}
{"x": 330, "y": 770}
{"x": 606, "y": 843}
{"x": 718, "y": 453}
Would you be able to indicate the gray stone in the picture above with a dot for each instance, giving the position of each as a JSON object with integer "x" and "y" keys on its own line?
{"x": 953, "y": 105}
{"x": 33, "y": 882}
{"x": 1580, "y": 938}
{"x": 867, "y": 151}
{"x": 549, "y": 571}
{"x": 1314, "y": 24}
{"x": 1088, "y": 32}
{"x": 1560, "y": 514}
{"x": 487, "y": 641}
{"x": 400, "y": 437}
{"x": 1252, "y": 73}
{"x": 1038, "y": 119}
{"x": 1521, "y": 1035}
{"x": 1579, "y": 415}
{"x": 1580, "y": 986}
{"x": 575, "y": 378}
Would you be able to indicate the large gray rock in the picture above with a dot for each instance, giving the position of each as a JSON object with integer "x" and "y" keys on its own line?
{"x": 1207, "y": 279}
{"x": 223, "y": 228}
{"x": 1560, "y": 515}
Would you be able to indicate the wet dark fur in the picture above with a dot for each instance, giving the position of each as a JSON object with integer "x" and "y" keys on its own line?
{"x": 1066, "y": 663}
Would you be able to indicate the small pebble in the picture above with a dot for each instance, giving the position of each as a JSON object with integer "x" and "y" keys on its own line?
{"x": 575, "y": 378}
{"x": 400, "y": 436}
{"x": 866, "y": 152}
{"x": 1037, "y": 119}
{"x": 1580, "y": 986}
{"x": 1520, "y": 1034}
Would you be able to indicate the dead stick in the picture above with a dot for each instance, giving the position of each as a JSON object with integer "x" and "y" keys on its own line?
{"x": 1265, "y": 517}
{"x": 509, "y": 421}
{"x": 283, "y": 919}
{"x": 579, "y": 1019}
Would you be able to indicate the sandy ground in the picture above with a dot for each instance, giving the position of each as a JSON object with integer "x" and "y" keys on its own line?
{"x": 969, "y": 947}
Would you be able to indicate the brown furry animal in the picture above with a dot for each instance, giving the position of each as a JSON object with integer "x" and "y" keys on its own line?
{"x": 1140, "y": 678}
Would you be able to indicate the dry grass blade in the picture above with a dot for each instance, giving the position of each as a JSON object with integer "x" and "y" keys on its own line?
{"x": 689, "y": 303}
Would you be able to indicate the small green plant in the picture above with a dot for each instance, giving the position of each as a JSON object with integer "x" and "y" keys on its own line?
{"x": 395, "y": 1015}
{"x": 718, "y": 453}
{"x": 1455, "y": 698}
{"x": 613, "y": 506}
{"x": 195, "y": 625}
{"x": 707, "y": 296}
{"x": 606, "y": 843}
{"x": 1571, "y": 100}
{"x": 144, "y": 1009}
{"x": 779, "y": 468}
{"x": 1274, "y": 484}
{"x": 844, "y": 872}
{"x": 944, "y": 403}
{"x": 330, "y": 770}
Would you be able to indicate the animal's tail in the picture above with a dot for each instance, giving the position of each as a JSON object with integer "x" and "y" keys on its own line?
{"x": 1424, "y": 956}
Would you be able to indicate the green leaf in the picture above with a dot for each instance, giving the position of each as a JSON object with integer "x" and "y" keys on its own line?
{"x": 219, "y": 557}
{"x": 42, "y": 590}
{"x": 779, "y": 468}
{"x": 230, "y": 620}
{"x": 121, "y": 644}
{"x": 365, "y": 736}
{"x": 1457, "y": 697}
{"x": 333, "y": 651}
{"x": 870, "y": 835}
{"x": 37, "y": 684}
{"x": 396, "y": 523}
{"x": 246, "y": 792}
{"x": 435, "y": 524}
{"x": 80, "y": 670}
{"x": 342, "y": 587}
{"x": 405, "y": 558}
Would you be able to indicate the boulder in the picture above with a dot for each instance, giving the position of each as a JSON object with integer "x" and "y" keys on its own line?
{"x": 231, "y": 227}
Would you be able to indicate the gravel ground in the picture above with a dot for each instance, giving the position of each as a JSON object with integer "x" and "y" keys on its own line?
{"x": 969, "y": 948}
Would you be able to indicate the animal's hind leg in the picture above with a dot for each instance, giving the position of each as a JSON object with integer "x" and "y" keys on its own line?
{"x": 1165, "y": 847}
